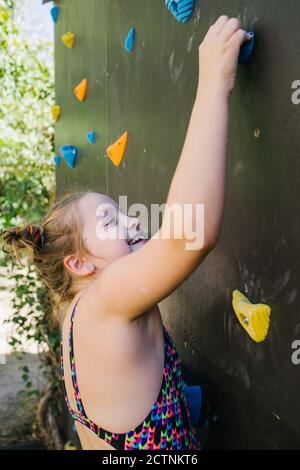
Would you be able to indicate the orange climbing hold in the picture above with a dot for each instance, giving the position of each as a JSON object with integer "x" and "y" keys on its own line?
{"x": 80, "y": 90}
{"x": 117, "y": 150}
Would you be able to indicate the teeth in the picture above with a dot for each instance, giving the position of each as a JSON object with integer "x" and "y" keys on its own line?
{"x": 135, "y": 241}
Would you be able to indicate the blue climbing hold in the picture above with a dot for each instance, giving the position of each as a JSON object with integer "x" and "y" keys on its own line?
{"x": 181, "y": 9}
{"x": 54, "y": 13}
{"x": 247, "y": 49}
{"x": 129, "y": 40}
{"x": 91, "y": 137}
{"x": 56, "y": 160}
{"x": 193, "y": 396}
{"x": 69, "y": 152}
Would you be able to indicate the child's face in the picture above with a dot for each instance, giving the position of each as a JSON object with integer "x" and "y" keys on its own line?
{"x": 106, "y": 230}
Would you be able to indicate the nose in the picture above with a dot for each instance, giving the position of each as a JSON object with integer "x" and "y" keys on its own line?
{"x": 133, "y": 222}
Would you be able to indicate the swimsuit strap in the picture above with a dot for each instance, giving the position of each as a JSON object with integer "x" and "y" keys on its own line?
{"x": 77, "y": 396}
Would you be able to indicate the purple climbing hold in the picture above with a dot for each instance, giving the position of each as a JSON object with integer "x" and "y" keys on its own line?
{"x": 54, "y": 13}
{"x": 56, "y": 160}
{"x": 69, "y": 152}
{"x": 91, "y": 137}
{"x": 129, "y": 40}
{"x": 247, "y": 49}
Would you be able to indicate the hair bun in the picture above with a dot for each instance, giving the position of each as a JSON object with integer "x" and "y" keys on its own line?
{"x": 33, "y": 234}
{"x": 16, "y": 238}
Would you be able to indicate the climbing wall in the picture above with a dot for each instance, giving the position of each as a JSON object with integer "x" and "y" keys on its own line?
{"x": 149, "y": 93}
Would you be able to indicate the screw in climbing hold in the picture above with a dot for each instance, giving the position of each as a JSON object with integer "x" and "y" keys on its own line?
{"x": 116, "y": 151}
{"x": 91, "y": 137}
{"x": 69, "y": 446}
{"x": 80, "y": 90}
{"x": 55, "y": 112}
{"x": 56, "y": 160}
{"x": 68, "y": 39}
{"x": 247, "y": 49}
{"x": 254, "y": 318}
{"x": 129, "y": 40}
{"x": 181, "y": 9}
{"x": 69, "y": 152}
{"x": 54, "y": 13}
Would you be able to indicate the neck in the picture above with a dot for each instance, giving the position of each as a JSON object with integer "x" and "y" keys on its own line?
{"x": 82, "y": 283}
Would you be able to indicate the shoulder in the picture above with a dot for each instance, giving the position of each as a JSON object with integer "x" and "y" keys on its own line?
{"x": 91, "y": 323}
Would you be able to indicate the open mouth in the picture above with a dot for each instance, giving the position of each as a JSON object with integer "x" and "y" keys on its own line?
{"x": 136, "y": 240}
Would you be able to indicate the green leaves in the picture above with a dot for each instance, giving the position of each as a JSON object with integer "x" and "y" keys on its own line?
{"x": 26, "y": 97}
{"x": 27, "y": 180}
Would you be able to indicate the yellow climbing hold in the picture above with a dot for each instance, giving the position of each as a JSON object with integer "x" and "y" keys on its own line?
{"x": 68, "y": 39}
{"x": 80, "y": 90}
{"x": 254, "y": 318}
{"x": 117, "y": 150}
{"x": 55, "y": 112}
{"x": 70, "y": 446}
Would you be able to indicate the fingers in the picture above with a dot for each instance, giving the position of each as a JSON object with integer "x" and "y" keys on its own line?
{"x": 218, "y": 26}
{"x": 239, "y": 37}
{"x": 230, "y": 27}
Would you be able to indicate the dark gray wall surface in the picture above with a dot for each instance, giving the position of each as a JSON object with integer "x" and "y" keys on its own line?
{"x": 150, "y": 93}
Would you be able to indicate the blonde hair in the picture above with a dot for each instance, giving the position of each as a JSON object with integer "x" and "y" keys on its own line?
{"x": 47, "y": 245}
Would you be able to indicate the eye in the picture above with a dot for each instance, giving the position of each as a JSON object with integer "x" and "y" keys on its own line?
{"x": 108, "y": 222}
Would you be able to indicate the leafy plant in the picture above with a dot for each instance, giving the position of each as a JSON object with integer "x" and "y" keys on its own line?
{"x": 27, "y": 186}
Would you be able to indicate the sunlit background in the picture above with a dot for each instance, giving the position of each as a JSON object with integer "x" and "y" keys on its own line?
{"x": 35, "y": 25}
{"x": 27, "y": 181}
{"x": 34, "y": 20}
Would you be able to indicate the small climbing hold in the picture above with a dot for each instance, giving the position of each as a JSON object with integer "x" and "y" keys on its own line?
{"x": 55, "y": 112}
{"x": 68, "y": 39}
{"x": 54, "y": 13}
{"x": 47, "y": 1}
{"x": 69, "y": 152}
{"x": 254, "y": 318}
{"x": 91, "y": 137}
{"x": 247, "y": 49}
{"x": 117, "y": 150}
{"x": 69, "y": 446}
{"x": 56, "y": 160}
{"x": 80, "y": 90}
{"x": 129, "y": 40}
{"x": 181, "y": 9}
{"x": 193, "y": 395}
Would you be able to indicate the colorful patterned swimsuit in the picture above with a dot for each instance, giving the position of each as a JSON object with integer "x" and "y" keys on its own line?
{"x": 167, "y": 425}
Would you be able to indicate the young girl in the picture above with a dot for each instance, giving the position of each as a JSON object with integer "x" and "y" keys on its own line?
{"x": 122, "y": 374}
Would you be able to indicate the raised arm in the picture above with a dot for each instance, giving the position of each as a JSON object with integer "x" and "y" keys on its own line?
{"x": 132, "y": 284}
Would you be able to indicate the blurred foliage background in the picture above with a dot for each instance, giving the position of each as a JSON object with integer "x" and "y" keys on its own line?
{"x": 27, "y": 187}
{"x": 27, "y": 176}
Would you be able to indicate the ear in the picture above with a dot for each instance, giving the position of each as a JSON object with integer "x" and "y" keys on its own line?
{"x": 75, "y": 265}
